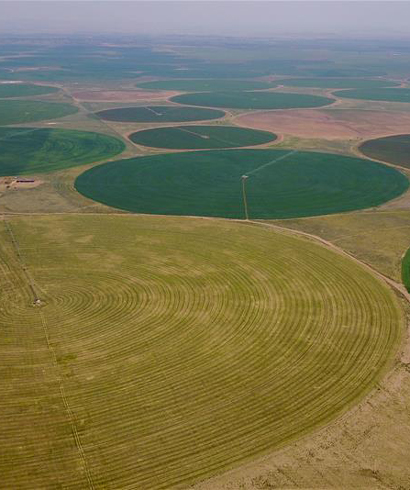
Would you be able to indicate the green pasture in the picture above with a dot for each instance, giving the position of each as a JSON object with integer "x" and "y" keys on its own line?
{"x": 391, "y": 149}
{"x": 206, "y": 85}
{"x": 281, "y": 183}
{"x": 201, "y": 137}
{"x": 25, "y": 111}
{"x": 159, "y": 114}
{"x": 32, "y": 150}
{"x": 252, "y": 100}
{"x": 360, "y": 83}
{"x": 405, "y": 270}
{"x": 382, "y": 94}
{"x": 24, "y": 90}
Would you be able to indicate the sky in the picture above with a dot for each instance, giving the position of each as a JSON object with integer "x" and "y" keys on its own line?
{"x": 262, "y": 18}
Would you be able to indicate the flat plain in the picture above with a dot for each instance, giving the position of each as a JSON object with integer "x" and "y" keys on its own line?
{"x": 25, "y": 111}
{"x": 24, "y": 90}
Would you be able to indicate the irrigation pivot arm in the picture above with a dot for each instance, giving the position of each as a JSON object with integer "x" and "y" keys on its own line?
{"x": 245, "y": 201}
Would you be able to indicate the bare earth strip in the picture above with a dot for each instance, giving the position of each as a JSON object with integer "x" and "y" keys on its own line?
{"x": 121, "y": 95}
{"x": 328, "y": 124}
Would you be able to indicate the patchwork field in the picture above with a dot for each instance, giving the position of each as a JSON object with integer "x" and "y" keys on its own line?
{"x": 32, "y": 150}
{"x": 332, "y": 124}
{"x": 165, "y": 350}
{"x": 24, "y": 111}
{"x": 393, "y": 149}
{"x": 206, "y": 85}
{"x": 281, "y": 184}
{"x": 386, "y": 94}
{"x": 337, "y": 83}
{"x": 24, "y": 90}
{"x": 252, "y": 100}
{"x": 159, "y": 114}
{"x": 201, "y": 137}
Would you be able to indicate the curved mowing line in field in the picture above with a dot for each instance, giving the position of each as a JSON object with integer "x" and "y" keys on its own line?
{"x": 184, "y": 347}
{"x": 405, "y": 270}
{"x": 201, "y": 137}
{"x": 208, "y": 183}
{"x": 33, "y": 150}
{"x": 24, "y": 111}
{"x": 391, "y": 149}
{"x": 24, "y": 90}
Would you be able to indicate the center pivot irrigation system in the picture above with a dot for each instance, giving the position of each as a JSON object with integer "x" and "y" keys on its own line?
{"x": 246, "y": 176}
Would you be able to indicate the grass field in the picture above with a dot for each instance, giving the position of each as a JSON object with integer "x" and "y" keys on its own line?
{"x": 201, "y": 137}
{"x": 281, "y": 184}
{"x": 392, "y": 149}
{"x": 360, "y": 83}
{"x": 24, "y": 90}
{"x": 166, "y": 350}
{"x": 24, "y": 111}
{"x": 406, "y": 270}
{"x": 384, "y": 94}
{"x": 31, "y": 150}
{"x": 159, "y": 114}
{"x": 252, "y": 100}
{"x": 206, "y": 85}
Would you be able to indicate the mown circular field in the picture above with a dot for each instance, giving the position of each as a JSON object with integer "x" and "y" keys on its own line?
{"x": 201, "y": 137}
{"x": 185, "y": 347}
{"x": 281, "y": 183}
{"x": 159, "y": 114}
{"x": 391, "y": 149}
{"x": 381, "y": 94}
{"x": 337, "y": 83}
{"x": 252, "y": 100}
{"x": 206, "y": 85}
{"x": 24, "y": 90}
{"x": 24, "y": 111}
{"x": 33, "y": 150}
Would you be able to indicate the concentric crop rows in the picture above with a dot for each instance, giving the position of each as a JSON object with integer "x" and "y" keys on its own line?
{"x": 182, "y": 347}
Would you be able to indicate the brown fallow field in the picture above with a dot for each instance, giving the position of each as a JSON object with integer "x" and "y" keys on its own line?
{"x": 121, "y": 95}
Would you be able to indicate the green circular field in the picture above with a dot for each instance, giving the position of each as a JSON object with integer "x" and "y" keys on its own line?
{"x": 159, "y": 114}
{"x": 24, "y": 111}
{"x": 31, "y": 150}
{"x": 337, "y": 83}
{"x": 187, "y": 347}
{"x": 206, "y": 85}
{"x": 381, "y": 94}
{"x": 281, "y": 183}
{"x": 252, "y": 100}
{"x": 24, "y": 90}
{"x": 391, "y": 149}
{"x": 201, "y": 137}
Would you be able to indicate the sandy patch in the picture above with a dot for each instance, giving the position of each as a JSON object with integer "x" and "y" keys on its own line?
{"x": 329, "y": 124}
{"x": 10, "y": 183}
{"x": 122, "y": 95}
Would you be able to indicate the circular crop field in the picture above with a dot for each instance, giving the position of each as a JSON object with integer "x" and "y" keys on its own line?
{"x": 206, "y": 85}
{"x": 23, "y": 111}
{"x": 337, "y": 83}
{"x": 159, "y": 114}
{"x": 252, "y": 100}
{"x": 383, "y": 94}
{"x": 24, "y": 90}
{"x": 201, "y": 137}
{"x": 188, "y": 346}
{"x": 32, "y": 150}
{"x": 391, "y": 149}
{"x": 281, "y": 183}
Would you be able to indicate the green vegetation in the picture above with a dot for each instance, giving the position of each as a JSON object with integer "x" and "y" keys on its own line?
{"x": 252, "y": 100}
{"x": 405, "y": 270}
{"x": 384, "y": 94}
{"x": 31, "y": 150}
{"x": 201, "y": 137}
{"x": 206, "y": 85}
{"x": 337, "y": 83}
{"x": 24, "y": 111}
{"x": 392, "y": 149}
{"x": 159, "y": 114}
{"x": 24, "y": 90}
{"x": 167, "y": 350}
{"x": 281, "y": 184}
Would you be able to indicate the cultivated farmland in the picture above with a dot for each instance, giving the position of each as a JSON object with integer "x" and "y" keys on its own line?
{"x": 206, "y": 85}
{"x": 281, "y": 184}
{"x": 32, "y": 150}
{"x": 201, "y": 137}
{"x": 173, "y": 349}
{"x": 360, "y": 83}
{"x": 392, "y": 149}
{"x": 24, "y": 90}
{"x": 159, "y": 114}
{"x": 384, "y": 94}
{"x": 25, "y": 111}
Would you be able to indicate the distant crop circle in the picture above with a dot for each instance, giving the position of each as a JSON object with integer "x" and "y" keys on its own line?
{"x": 281, "y": 183}
{"x": 38, "y": 150}
{"x": 252, "y": 100}
{"x": 24, "y": 90}
{"x": 391, "y": 149}
{"x": 25, "y": 111}
{"x": 201, "y": 137}
{"x": 324, "y": 82}
{"x": 159, "y": 114}
{"x": 381, "y": 94}
{"x": 206, "y": 85}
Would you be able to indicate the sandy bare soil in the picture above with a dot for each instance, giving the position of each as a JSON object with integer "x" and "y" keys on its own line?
{"x": 121, "y": 95}
{"x": 329, "y": 124}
